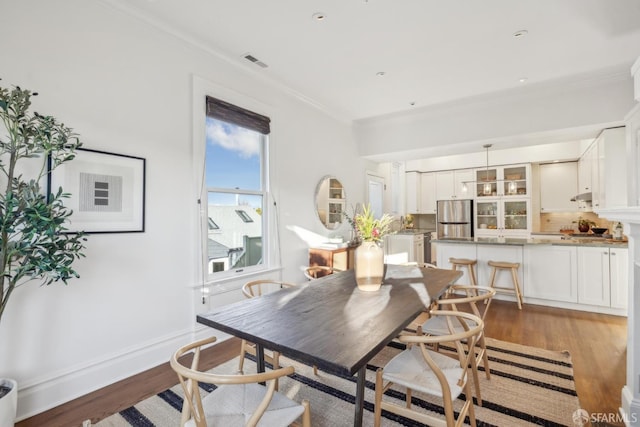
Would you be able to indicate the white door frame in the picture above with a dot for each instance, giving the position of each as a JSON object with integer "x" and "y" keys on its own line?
{"x": 378, "y": 180}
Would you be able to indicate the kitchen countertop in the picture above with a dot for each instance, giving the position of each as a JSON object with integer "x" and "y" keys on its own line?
{"x": 581, "y": 241}
{"x": 414, "y": 231}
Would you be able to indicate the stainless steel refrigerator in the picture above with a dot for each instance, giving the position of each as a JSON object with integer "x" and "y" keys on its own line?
{"x": 454, "y": 219}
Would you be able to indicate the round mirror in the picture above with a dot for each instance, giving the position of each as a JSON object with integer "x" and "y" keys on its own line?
{"x": 331, "y": 200}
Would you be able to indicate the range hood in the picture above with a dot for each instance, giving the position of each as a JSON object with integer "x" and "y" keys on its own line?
{"x": 584, "y": 197}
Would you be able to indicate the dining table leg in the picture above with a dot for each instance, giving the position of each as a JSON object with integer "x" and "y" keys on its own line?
{"x": 260, "y": 359}
{"x": 359, "y": 404}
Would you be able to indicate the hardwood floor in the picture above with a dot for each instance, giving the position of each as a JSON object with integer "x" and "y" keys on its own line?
{"x": 597, "y": 344}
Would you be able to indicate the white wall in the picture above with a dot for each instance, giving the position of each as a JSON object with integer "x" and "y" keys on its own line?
{"x": 126, "y": 87}
{"x": 533, "y": 154}
{"x": 538, "y": 114}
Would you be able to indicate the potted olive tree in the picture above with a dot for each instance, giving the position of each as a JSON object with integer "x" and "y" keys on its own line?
{"x": 33, "y": 245}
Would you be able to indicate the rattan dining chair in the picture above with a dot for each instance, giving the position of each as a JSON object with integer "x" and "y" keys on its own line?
{"x": 257, "y": 287}
{"x": 254, "y": 289}
{"x": 420, "y": 369}
{"x": 318, "y": 271}
{"x": 469, "y": 301}
{"x": 420, "y": 319}
{"x": 238, "y": 400}
{"x": 419, "y": 264}
{"x": 251, "y": 290}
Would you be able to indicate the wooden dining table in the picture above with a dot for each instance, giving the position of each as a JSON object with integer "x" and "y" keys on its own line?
{"x": 330, "y": 323}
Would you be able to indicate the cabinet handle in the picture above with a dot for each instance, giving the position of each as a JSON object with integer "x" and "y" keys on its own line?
{"x": 613, "y": 253}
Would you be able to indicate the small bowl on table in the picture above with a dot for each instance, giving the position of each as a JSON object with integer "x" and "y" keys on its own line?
{"x": 599, "y": 230}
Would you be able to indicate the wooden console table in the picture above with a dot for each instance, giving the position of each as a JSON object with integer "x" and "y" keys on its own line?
{"x": 340, "y": 259}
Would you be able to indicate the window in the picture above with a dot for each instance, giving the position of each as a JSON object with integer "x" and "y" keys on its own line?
{"x": 235, "y": 171}
{"x": 245, "y": 217}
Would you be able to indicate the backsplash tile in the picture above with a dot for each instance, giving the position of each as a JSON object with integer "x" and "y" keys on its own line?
{"x": 553, "y": 222}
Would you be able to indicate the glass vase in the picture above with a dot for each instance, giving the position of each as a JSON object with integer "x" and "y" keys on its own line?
{"x": 369, "y": 266}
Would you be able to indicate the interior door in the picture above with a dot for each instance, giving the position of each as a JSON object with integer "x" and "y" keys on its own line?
{"x": 375, "y": 194}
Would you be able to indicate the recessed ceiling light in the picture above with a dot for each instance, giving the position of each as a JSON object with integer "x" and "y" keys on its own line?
{"x": 522, "y": 79}
{"x": 318, "y": 16}
{"x": 380, "y": 73}
{"x": 412, "y": 103}
{"x": 520, "y": 33}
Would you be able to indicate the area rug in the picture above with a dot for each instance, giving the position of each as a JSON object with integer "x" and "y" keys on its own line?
{"x": 528, "y": 386}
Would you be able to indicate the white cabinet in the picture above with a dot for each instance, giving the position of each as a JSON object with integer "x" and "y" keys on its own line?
{"x": 584, "y": 171}
{"x": 420, "y": 195}
{"x": 558, "y": 184}
{"x": 483, "y": 254}
{"x": 594, "y": 276}
{"x": 619, "y": 277}
{"x": 452, "y": 184}
{"x": 612, "y": 169}
{"x": 502, "y": 217}
{"x": 588, "y": 177}
{"x": 551, "y": 272}
{"x": 498, "y": 181}
{"x": 602, "y": 276}
{"x": 508, "y": 253}
{"x": 602, "y": 171}
{"x": 434, "y": 250}
{"x": 587, "y": 278}
{"x": 444, "y": 251}
{"x": 402, "y": 248}
{"x": 428, "y": 193}
{"x": 412, "y": 192}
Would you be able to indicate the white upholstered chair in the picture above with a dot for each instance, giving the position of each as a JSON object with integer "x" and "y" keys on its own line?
{"x": 238, "y": 400}
{"x": 420, "y": 369}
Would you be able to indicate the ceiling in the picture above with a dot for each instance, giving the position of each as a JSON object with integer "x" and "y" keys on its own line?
{"x": 430, "y": 51}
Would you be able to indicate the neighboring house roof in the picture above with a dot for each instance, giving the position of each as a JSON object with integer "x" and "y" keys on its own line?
{"x": 231, "y": 226}
{"x": 216, "y": 250}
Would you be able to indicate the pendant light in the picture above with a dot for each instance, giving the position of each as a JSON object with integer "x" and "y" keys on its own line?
{"x": 487, "y": 187}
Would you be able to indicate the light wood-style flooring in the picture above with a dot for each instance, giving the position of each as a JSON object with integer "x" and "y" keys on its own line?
{"x": 597, "y": 344}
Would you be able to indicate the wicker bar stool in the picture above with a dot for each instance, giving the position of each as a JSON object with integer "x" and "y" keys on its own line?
{"x": 507, "y": 266}
{"x": 469, "y": 263}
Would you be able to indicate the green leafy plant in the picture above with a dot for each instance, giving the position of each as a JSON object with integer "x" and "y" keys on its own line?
{"x": 370, "y": 228}
{"x": 584, "y": 223}
{"x": 33, "y": 245}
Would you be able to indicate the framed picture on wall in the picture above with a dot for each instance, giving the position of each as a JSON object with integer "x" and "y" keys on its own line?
{"x": 107, "y": 191}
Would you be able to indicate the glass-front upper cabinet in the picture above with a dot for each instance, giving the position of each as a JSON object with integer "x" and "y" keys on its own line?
{"x": 487, "y": 182}
{"x": 487, "y": 215}
{"x": 503, "y": 217}
{"x": 501, "y": 181}
{"x": 515, "y": 181}
{"x": 516, "y": 215}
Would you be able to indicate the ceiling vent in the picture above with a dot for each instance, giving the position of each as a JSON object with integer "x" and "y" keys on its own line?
{"x": 255, "y": 60}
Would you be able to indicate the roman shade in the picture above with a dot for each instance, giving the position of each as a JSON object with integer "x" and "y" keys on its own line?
{"x": 230, "y": 113}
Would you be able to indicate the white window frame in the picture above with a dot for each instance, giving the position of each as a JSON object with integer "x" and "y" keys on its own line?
{"x": 201, "y": 89}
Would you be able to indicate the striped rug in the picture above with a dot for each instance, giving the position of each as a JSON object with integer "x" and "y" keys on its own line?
{"x": 528, "y": 386}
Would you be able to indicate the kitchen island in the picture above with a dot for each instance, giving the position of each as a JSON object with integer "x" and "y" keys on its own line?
{"x": 585, "y": 273}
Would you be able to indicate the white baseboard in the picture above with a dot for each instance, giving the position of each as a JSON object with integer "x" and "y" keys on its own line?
{"x": 630, "y": 410}
{"x": 575, "y": 306}
{"x": 45, "y": 393}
